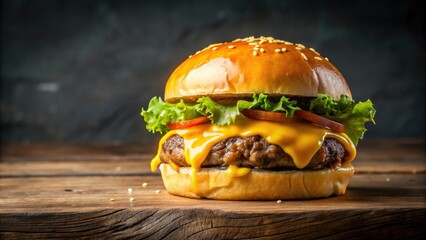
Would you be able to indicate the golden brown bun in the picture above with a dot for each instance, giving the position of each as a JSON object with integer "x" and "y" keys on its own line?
{"x": 258, "y": 184}
{"x": 236, "y": 69}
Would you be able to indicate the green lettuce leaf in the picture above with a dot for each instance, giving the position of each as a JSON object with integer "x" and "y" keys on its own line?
{"x": 283, "y": 105}
{"x": 219, "y": 114}
{"x": 346, "y": 111}
{"x": 224, "y": 115}
{"x": 159, "y": 113}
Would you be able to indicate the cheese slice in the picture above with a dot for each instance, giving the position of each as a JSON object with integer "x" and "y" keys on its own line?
{"x": 300, "y": 140}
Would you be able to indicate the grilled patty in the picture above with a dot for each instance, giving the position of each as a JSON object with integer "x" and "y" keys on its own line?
{"x": 253, "y": 152}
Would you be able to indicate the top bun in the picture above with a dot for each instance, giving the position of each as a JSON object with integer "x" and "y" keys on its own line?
{"x": 255, "y": 65}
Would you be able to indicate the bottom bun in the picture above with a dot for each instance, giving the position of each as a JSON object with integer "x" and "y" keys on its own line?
{"x": 214, "y": 183}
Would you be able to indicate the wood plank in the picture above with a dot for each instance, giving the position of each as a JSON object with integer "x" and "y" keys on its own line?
{"x": 84, "y": 167}
{"x": 378, "y": 156}
{"x": 140, "y": 166}
{"x": 379, "y": 205}
{"x": 64, "y": 190}
{"x": 399, "y": 149}
{"x": 35, "y": 194}
{"x": 216, "y": 224}
{"x": 84, "y": 150}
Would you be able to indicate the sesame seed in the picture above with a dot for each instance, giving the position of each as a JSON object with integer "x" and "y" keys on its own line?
{"x": 144, "y": 184}
{"x": 189, "y": 56}
{"x": 214, "y": 49}
{"x": 300, "y": 45}
{"x": 252, "y": 43}
{"x": 304, "y": 56}
{"x": 278, "y": 201}
{"x": 112, "y": 199}
{"x": 298, "y": 48}
{"x": 262, "y": 50}
{"x": 327, "y": 59}
{"x": 277, "y": 50}
{"x": 256, "y": 48}
{"x": 254, "y": 53}
{"x": 288, "y": 43}
{"x": 129, "y": 190}
{"x": 318, "y": 58}
{"x": 131, "y": 199}
{"x": 313, "y": 50}
{"x": 157, "y": 191}
{"x": 284, "y": 49}
{"x": 231, "y": 47}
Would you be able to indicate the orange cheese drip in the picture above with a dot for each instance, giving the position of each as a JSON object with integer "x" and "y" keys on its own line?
{"x": 298, "y": 139}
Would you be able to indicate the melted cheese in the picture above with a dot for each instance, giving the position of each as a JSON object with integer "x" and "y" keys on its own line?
{"x": 235, "y": 171}
{"x": 298, "y": 139}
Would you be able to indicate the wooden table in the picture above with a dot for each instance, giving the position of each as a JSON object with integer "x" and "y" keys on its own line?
{"x": 82, "y": 191}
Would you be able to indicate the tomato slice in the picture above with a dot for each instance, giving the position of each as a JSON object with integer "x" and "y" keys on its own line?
{"x": 322, "y": 121}
{"x": 264, "y": 115}
{"x": 188, "y": 123}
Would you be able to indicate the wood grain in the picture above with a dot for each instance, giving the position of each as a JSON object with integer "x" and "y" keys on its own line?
{"x": 39, "y": 194}
{"x": 66, "y": 192}
{"x": 45, "y": 207}
{"x": 216, "y": 224}
{"x": 19, "y": 160}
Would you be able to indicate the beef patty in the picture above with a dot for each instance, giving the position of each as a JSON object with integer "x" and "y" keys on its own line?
{"x": 253, "y": 152}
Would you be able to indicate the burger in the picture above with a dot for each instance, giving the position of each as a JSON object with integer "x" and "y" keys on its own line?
{"x": 256, "y": 119}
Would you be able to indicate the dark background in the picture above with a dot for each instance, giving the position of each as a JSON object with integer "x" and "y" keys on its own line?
{"x": 80, "y": 71}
